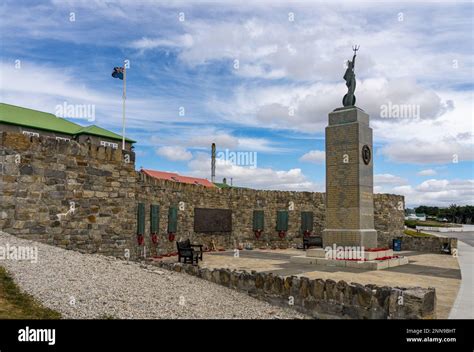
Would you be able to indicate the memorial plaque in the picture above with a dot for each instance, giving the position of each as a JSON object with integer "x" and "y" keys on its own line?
{"x": 212, "y": 220}
{"x": 366, "y": 154}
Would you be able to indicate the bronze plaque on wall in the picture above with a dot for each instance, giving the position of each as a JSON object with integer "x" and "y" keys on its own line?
{"x": 212, "y": 220}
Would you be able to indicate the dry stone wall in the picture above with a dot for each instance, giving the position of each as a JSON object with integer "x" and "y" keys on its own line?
{"x": 323, "y": 299}
{"x": 242, "y": 202}
{"x": 67, "y": 194}
{"x": 85, "y": 198}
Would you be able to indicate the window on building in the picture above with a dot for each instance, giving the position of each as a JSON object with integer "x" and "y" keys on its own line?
{"x": 63, "y": 139}
{"x": 109, "y": 144}
{"x": 31, "y": 134}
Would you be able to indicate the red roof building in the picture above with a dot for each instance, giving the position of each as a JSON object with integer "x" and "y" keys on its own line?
{"x": 171, "y": 176}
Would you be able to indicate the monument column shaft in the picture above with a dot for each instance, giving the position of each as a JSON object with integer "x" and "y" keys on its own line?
{"x": 349, "y": 180}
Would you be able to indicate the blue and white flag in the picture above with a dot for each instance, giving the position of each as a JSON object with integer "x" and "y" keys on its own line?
{"x": 118, "y": 72}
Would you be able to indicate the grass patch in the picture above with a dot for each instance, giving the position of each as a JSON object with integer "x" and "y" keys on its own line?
{"x": 414, "y": 233}
{"x": 15, "y": 304}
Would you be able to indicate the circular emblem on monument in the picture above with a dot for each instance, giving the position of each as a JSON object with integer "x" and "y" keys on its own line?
{"x": 366, "y": 154}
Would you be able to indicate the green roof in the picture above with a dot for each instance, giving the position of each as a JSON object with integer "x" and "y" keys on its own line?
{"x": 99, "y": 131}
{"x": 222, "y": 185}
{"x": 16, "y": 115}
{"x": 225, "y": 185}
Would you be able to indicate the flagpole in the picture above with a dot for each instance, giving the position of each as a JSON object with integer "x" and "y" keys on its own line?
{"x": 123, "y": 104}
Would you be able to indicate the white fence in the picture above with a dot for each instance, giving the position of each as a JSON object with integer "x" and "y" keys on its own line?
{"x": 444, "y": 229}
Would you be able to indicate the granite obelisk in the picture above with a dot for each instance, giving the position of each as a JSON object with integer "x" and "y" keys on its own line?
{"x": 349, "y": 173}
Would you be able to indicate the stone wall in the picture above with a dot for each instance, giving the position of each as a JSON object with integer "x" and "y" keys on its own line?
{"x": 389, "y": 217}
{"x": 67, "y": 194}
{"x": 428, "y": 244}
{"x": 389, "y": 221}
{"x": 40, "y": 177}
{"x": 323, "y": 299}
{"x": 242, "y": 202}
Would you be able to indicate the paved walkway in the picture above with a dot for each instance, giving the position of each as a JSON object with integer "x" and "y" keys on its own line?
{"x": 281, "y": 265}
{"x": 463, "y": 307}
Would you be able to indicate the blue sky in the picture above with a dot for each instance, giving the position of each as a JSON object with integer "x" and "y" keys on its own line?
{"x": 261, "y": 79}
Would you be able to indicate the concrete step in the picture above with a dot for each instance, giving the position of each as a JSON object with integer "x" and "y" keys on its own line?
{"x": 367, "y": 265}
{"x": 316, "y": 253}
{"x": 321, "y": 253}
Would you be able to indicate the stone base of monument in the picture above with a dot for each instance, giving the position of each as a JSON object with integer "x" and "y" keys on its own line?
{"x": 369, "y": 260}
{"x": 362, "y": 237}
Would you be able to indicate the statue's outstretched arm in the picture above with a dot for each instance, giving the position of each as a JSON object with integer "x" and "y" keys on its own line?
{"x": 354, "y": 60}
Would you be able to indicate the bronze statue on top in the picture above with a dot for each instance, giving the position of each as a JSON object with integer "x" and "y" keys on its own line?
{"x": 350, "y": 99}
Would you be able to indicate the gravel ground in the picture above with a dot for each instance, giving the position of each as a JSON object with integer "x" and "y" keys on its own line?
{"x": 93, "y": 286}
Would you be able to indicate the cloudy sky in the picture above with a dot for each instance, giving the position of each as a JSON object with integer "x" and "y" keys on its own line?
{"x": 259, "y": 79}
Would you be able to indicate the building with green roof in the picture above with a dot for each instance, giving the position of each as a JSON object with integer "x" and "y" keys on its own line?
{"x": 37, "y": 123}
{"x": 224, "y": 184}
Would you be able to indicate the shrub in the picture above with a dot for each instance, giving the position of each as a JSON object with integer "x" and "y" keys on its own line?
{"x": 416, "y": 234}
{"x": 410, "y": 223}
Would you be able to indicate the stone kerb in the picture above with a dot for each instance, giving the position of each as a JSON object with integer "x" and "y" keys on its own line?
{"x": 322, "y": 299}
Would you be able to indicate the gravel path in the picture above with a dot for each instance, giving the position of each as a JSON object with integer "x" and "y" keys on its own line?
{"x": 94, "y": 286}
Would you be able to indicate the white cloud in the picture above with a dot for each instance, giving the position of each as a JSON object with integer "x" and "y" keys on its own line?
{"x": 436, "y": 192}
{"x": 423, "y": 152}
{"x": 438, "y": 141}
{"x": 259, "y": 178}
{"x": 42, "y": 87}
{"x": 427, "y": 172}
{"x": 36, "y": 80}
{"x": 289, "y": 74}
{"x": 174, "y": 153}
{"x": 388, "y": 179}
{"x": 304, "y": 107}
{"x": 198, "y": 137}
{"x": 147, "y": 43}
{"x": 309, "y": 50}
{"x": 314, "y": 156}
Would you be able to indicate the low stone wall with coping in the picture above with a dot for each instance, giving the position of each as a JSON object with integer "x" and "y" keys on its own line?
{"x": 322, "y": 299}
{"x": 428, "y": 244}
{"x": 419, "y": 244}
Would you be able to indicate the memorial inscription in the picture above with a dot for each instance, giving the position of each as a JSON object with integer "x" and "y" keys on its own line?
{"x": 212, "y": 220}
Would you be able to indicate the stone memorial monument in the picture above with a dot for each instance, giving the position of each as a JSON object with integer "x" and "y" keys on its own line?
{"x": 350, "y": 239}
{"x": 349, "y": 173}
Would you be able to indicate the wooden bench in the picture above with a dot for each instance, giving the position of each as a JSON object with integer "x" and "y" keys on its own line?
{"x": 309, "y": 241}
{"x": 187, "y": 251}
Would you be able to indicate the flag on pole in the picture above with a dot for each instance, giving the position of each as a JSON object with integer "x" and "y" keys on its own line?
{"x": 121, "y": 73}
{"x": 118, "y": 72}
